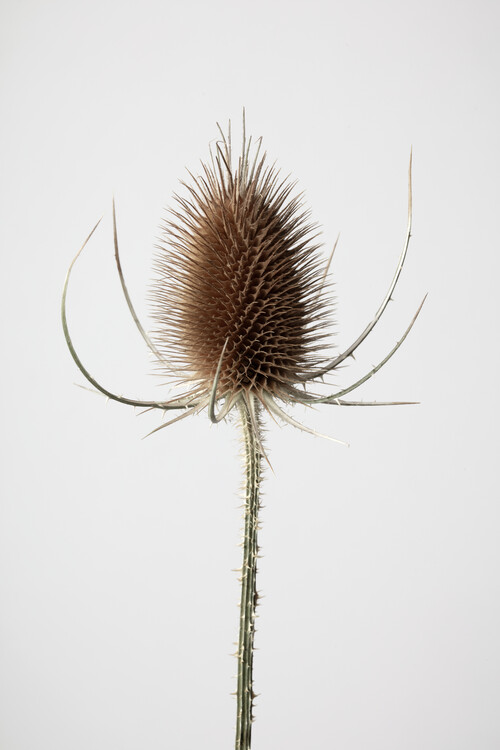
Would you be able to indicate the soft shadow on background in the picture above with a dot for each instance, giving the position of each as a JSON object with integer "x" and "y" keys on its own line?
{"x": 380, "y": 572}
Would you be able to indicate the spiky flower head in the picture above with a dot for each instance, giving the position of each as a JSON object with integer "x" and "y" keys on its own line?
{"x": 238, "y": 296}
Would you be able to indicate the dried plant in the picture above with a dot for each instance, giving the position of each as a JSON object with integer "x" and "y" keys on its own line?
{"x": 241, "y": 316}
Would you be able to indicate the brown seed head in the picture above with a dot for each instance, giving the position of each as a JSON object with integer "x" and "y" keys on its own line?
{"x": 238, "y": 272}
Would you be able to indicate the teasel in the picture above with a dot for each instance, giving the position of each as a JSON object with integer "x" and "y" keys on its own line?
{"x": 242, "y": 315}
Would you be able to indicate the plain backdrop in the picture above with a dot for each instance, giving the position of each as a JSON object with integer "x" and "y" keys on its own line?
{"x": 380, "y": 618}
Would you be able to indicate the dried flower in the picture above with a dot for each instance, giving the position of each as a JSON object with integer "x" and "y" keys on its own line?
{"x": 241, "y": 317}
{"x": 238, "y": 273}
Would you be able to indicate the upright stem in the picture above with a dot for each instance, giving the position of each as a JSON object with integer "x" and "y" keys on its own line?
{"x": 249, "y": 596}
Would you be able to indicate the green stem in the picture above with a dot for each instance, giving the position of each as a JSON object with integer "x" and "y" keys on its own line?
{"x": 249, "y": 596}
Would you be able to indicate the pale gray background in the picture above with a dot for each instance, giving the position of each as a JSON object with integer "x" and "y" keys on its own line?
{"x": 380, "y": 625}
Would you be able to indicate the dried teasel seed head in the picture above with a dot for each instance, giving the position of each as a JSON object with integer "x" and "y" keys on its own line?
{"x": 239, "y": 281}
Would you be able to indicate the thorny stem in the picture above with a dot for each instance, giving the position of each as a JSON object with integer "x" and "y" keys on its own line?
{"x": 249, "y": 596}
